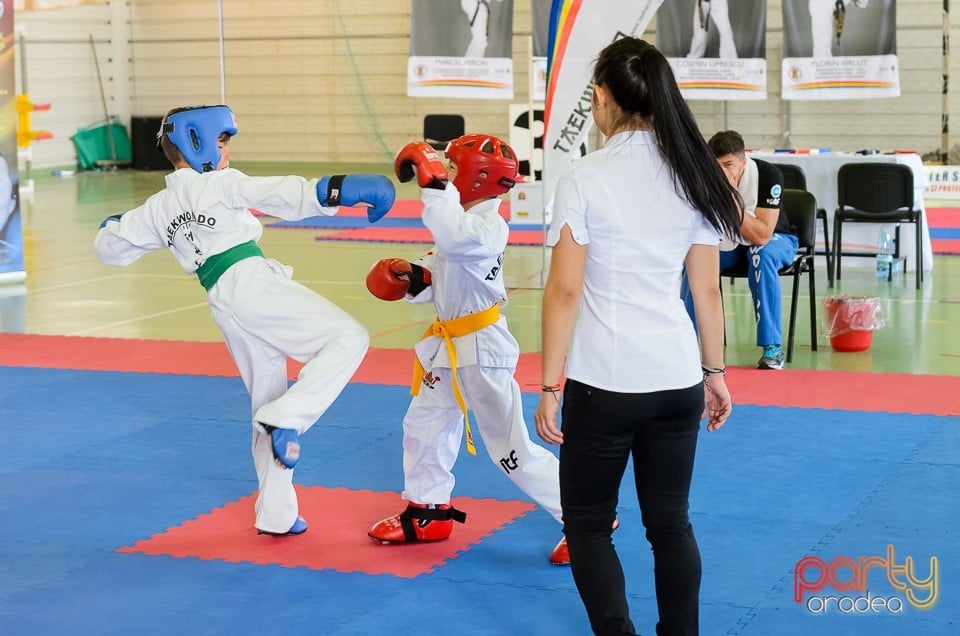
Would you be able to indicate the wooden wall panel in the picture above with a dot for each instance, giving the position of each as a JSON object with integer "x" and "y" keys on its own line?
{"x": 325, "y": 80}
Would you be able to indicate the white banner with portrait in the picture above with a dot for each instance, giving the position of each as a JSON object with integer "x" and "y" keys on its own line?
{"x": 461, "y": 48}
{"x": 840, "y": 49}
{"x": 540, "y": 27}
{"x": 579, "y": 29}
{"x": 716, "y": 48}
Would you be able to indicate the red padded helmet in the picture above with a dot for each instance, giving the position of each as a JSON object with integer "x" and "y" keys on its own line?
{"x": 486, "y": 166}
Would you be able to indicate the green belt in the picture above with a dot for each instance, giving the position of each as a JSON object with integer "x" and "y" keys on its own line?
{"x": 214, "y": 267}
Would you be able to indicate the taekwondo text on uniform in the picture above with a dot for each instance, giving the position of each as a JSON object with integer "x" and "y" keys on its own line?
{"x": 184, "y": 220}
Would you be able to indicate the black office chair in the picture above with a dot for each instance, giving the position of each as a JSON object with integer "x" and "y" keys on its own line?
{"x": 876, "y": 193}
{"x": 439, "y": 130}
{"x": 801, "y": 209}
{"x": 794, "y": 177}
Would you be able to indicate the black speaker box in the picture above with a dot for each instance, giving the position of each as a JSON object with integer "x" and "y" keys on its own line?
{"x": 143, "y": 141}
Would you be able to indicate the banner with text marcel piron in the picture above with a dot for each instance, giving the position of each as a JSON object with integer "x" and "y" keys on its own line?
{"x": 461, "y": 49}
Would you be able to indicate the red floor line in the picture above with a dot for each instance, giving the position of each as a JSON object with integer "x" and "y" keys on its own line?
{"x": 841, "y": 390}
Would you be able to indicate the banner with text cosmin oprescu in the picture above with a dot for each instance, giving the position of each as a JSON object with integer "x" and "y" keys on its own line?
{"x": 716, "y": 48}
{"x": 579, "y": 29}
{"x": 11, "y": 236}
{"x": 840, "y": 49}
{"x": 461, "y": 48}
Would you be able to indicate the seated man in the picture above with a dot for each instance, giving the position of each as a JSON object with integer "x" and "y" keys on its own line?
{"x": 768, "y": 242}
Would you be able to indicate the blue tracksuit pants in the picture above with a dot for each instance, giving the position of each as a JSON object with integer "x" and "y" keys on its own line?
{"x": 763, "y": 263}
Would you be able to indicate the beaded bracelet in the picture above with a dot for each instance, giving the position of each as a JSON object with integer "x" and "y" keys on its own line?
{"x": 711, "y": 371}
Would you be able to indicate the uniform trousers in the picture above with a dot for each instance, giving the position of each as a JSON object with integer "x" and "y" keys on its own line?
{"x": 433, "y": 432}
{"x": 763, "y": 264}
{"x": 266, "y": 317}
{"x": 601, "y": 431}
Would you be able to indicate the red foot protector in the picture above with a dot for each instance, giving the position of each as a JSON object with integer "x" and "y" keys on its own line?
{"x": 333, "y": 541}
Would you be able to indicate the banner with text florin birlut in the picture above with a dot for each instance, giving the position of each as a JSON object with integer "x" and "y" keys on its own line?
{"x": 11, "y": 235}
{"x": 840, "y": 49}
{"x": 579, "y": 29}
{"x": 461, "y": 48}
{"x": 716, "y": 48}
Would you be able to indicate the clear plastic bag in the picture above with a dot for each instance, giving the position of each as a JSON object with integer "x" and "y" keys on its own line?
{"x": 842, "y": 314}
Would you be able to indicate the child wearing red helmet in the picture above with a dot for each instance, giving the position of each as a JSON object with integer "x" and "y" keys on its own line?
{"x": 468, "y": 356}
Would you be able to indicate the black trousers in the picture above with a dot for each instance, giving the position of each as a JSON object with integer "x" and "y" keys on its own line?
{"x": 601, "y": 430}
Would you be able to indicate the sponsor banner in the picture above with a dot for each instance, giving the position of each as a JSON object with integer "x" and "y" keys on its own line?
{"x": 461, "y": 49}
{"x": 841, "y": 77}
{"x": 463, "y": 77}
{"x": 840, "y": 49}
{"x": 704, "y": 78}
{"x": 716, "y": 48}
{"x": 540, "y": 12}
{"x": 943, "y": 182}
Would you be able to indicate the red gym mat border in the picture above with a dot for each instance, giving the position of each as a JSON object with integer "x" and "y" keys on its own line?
{"x": 840, "y": 390}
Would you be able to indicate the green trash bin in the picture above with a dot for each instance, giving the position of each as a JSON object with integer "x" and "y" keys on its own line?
{"x": 94, "y": 148}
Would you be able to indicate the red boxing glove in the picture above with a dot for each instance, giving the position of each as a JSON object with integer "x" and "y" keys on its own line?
{"x": 421, "y": 160}
{"x": 389, "y": 278}
{"x": 393, "y": 278}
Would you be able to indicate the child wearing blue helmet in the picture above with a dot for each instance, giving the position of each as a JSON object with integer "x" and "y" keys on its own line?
{"x": 203, "y": 217}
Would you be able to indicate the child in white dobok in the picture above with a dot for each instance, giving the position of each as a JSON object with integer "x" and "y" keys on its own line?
{"x": 203, "y": 218}
{"x": 468, "y": 357}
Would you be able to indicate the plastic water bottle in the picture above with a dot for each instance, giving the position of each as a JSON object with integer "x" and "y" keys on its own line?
{"x": 884, "y": 253}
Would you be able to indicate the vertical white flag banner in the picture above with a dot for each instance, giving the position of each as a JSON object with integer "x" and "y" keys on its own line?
{"x": 840, "y": 49}
{"x": 461, "y": 48}
{"x": 579, "y": 29}
{"x": 716, "y": 48}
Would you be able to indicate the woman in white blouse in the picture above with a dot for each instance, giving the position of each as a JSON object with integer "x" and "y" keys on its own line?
{"x": 626, "y": 220}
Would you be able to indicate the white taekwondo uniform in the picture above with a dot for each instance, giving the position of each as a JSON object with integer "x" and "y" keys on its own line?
{"x": 467, "y": 278}
{"x": 264, "y": 315}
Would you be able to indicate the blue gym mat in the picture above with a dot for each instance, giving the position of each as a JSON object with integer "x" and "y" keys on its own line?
{"x": 95, "y": 461}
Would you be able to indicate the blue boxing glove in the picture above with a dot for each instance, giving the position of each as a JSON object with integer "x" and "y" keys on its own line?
{"x": 113, "y": 217}
{"x": 373, "y": 189}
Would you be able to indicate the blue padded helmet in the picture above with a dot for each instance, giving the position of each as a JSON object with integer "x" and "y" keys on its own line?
{"x": 195, "y": 132}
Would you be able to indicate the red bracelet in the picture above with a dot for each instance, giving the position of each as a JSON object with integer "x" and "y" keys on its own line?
{"x": 550, "y": 388}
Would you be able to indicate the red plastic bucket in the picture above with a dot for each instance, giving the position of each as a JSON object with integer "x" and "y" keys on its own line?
{"x": 850, "y": 319}
{"x": 852, "y": 341}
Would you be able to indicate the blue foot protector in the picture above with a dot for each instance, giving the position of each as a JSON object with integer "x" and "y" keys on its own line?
{"x": 299, "y": 527}
{"x": 286, "y": 445}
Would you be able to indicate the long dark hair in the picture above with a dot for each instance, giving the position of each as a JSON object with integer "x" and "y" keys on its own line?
{"x": 641, "y": 82}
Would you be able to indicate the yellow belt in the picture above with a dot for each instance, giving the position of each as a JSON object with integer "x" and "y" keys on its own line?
{"x": 449, "y": 329}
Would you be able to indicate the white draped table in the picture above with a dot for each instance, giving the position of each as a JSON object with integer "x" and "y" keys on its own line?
{"x": 821, "y": 172}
